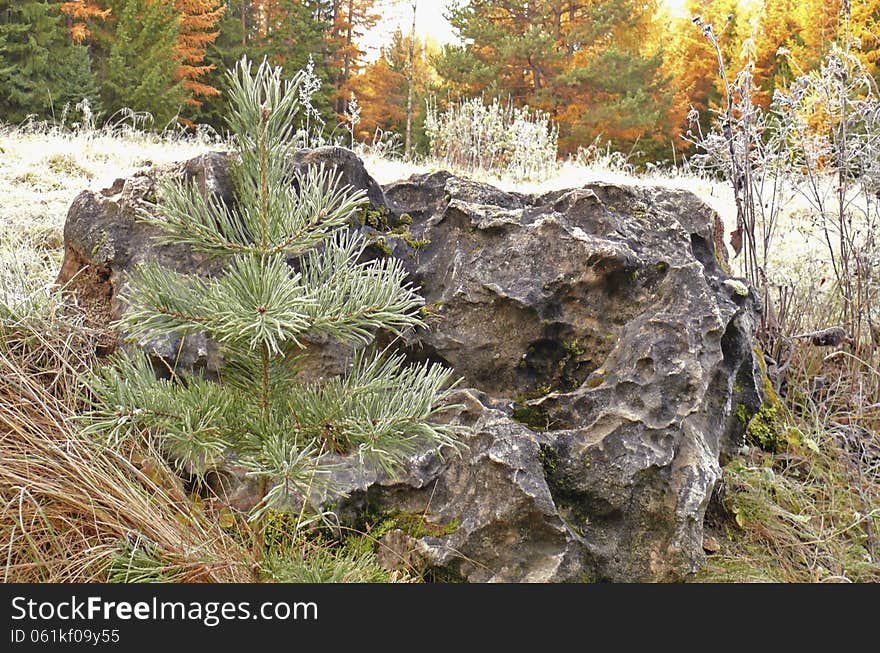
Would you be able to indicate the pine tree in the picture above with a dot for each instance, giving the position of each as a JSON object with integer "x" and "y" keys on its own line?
{"x": 613, "y": 88}
{"x": 592, "y": 65}
{"x": 75, "y": 81}
{"x": 261, "y": 310}
{"x": 140, "y": 70}
{"x": 514, "y": 48}
{"x": 31, "y": 41}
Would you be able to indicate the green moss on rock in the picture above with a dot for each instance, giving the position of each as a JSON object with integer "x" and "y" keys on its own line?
{"x": 414, "y": 524}
{"x": 377, "y": 218}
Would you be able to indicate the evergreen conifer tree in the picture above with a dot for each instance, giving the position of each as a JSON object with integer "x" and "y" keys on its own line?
{"x": 75, "y": 81}
{"x": 281, "y": 428}
{"x": 141, "y": 67}
{"x": 593, "y": 66}
{"x": 31, "y": 39}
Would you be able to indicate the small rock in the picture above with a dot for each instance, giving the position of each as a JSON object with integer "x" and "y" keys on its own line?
{"x": 710, "y": 544}
{"x": 398, "y": 550}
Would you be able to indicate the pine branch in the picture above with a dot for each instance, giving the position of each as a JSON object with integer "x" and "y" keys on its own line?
{"x": 382, "y": 408}
{"x": 296, "y": 472}
{"x": 161, "y": 301}
{"x": 304, "y": 209}
{"x": 194, "y": 422}
{"x": 258, "y": 302}
{"x": 352, "y": 299}
{"x": 206, "y": 225}
{"x": 250, "y": 94}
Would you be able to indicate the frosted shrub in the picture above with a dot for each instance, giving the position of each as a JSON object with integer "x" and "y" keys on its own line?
{"x": 600, "y": 156}
{"x": 831, "y": 121}
{"x": 497, "y": 137}
{"x": 819, "y": 144}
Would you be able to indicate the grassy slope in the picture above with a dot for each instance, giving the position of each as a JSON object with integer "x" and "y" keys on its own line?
{"x": 808, "y": 512}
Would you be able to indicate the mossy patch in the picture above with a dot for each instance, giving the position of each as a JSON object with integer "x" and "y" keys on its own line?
{"x": 414, "y": 524}
{"x": 769, "y": 430}
{"x": 64, "y": 164}
{"x": 560, "y": 360}
{"x": 764, "y": 429}
{"x": 771, "y": 397}
{"x": 415, "y": 243}
{"x": 380, "y": 244}
{"x": 573, "y": 348}
{"x": 430, "y": 310}
{"x": 377, "y": 218}
{"x": 403, "y": 233}
{"x": 280, "y": 530}
{"x": 380, "y": 220}
{"x": 536, "y": 418}
{"x": 529, "y": 411}
{"x": 549, "y": 458}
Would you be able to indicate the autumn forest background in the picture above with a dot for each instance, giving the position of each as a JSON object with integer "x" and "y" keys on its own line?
{"x": 625, "y": 72}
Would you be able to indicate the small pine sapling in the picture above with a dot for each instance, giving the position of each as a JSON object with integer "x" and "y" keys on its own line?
{"x": 281, "y": 429}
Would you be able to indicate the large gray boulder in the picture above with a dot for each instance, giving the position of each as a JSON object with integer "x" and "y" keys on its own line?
{"x": 607, "y": 351}
{"x": 602, "y": 318}
{"x": 484, "y": 513}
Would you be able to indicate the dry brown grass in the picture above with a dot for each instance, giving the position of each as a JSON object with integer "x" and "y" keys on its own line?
{"x": 73, "y": 510}
{"x": 809, "y": 511}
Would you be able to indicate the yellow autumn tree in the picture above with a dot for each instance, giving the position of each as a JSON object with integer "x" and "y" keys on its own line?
{"x": 382, "y": 87}
{"x": 818, "y": 22}
{"x": 382, "y": 94}
{"x": 777, "y": 26}
{"x": 691, "y": 62}
{"x": 865, "y": 26}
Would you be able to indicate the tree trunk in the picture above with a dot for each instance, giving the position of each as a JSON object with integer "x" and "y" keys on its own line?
{"x": 348, "y": 41}
{"x": 244, "y": 5}
{"x": 410, "y": 79}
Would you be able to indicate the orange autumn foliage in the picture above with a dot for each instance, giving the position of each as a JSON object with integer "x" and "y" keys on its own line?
{"x": 198, "y": 21}
{"x": 197, "y": 24}
{"x": 83, "y": 11}
{"x": 351, "y": 20}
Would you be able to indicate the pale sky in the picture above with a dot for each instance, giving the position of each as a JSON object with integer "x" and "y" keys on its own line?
{"x": 430, "y": 22}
